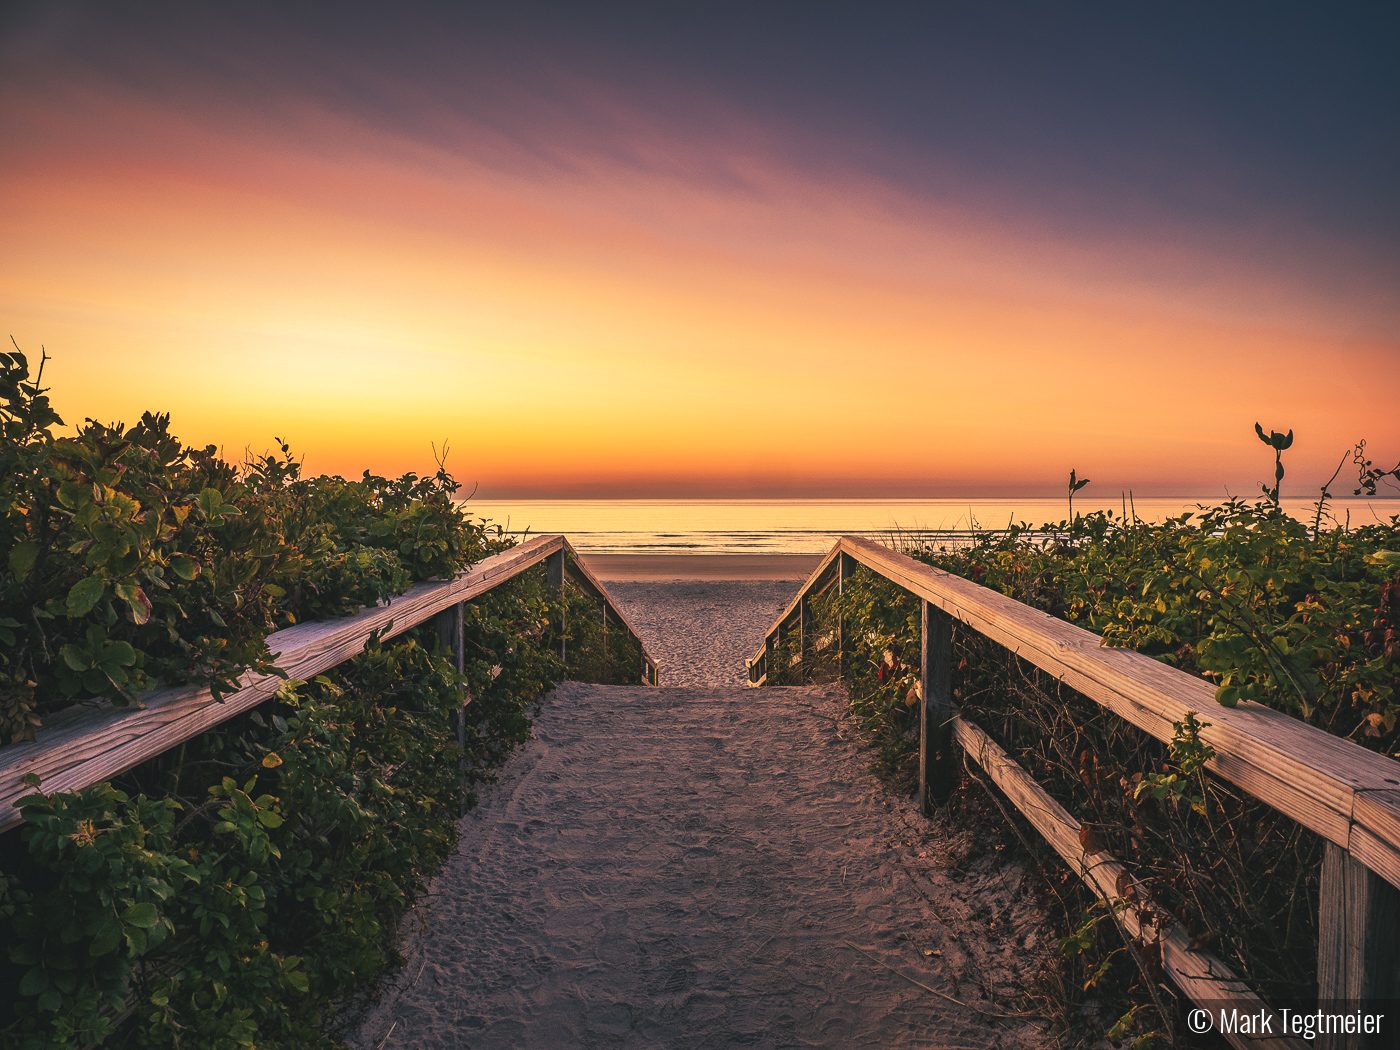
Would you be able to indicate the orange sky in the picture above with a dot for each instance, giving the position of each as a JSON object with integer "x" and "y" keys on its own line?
{"x": 656, "y": 311}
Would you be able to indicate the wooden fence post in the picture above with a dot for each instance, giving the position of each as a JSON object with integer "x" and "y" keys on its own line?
{"x": 1358, "y": 946}
{"x": 451, "y": 628}
{"x": 554, "y": 567}
{"x": 936, "y": 707}
{"x": 460, "y": 610}
{"x": 802, "y": 640}
{"x": 446, "y": 625}
{"x": 845, "y": 566}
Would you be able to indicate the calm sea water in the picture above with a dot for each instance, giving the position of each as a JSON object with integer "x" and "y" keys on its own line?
{"x": 809, "y": 526}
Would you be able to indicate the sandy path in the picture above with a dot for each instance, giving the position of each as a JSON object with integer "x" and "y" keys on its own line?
{"x": 702, "y": 631}
{"x": 690, "y": 867}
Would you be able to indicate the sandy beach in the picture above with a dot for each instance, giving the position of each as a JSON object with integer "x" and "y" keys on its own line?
{"x": 610, "y": 567}
{"x": 706, "y": 865}
{"x": 701, "y": 616}
{"x": 701, "y": 632}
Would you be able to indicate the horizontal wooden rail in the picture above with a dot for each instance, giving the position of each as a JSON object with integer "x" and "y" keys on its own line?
{"x": 92, "y": 742}
{"x": 1346, "y": 794}
{"x": 1200, "y": 974}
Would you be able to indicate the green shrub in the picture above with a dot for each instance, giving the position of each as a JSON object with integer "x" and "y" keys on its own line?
{"x": 233, "y": 891}
{"x": 133, "y": 560}
{"x": 1264, "y": 607}
{"x": 261, "y": 885}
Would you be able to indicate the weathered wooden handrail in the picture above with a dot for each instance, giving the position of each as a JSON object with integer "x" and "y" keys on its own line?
{"x": 1346, "y": 794}
{"x": 89, "y": 743}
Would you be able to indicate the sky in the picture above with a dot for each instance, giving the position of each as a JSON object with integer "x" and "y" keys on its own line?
{"x": 717, "y": 249}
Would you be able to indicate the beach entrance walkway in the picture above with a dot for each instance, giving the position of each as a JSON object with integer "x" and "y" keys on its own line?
{"x": 703, "y": 867}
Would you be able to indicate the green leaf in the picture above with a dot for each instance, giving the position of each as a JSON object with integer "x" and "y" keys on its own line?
{"x": 136, "y": 600}
{"x": 268, "y": 819}
{"x": 143, "y": 916}
{"x": 119, "y": 653}
{"x": 183, "y": 567}
{"x": 22, "y": 558}
{"x": 34, "y": 982}
{"x": 85, "y": 594}
{"x": 75, "y": 657}
{"x": 210, "y": 500}
{"x": 107, "y": 939}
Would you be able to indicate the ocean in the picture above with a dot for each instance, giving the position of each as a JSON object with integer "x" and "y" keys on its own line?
{"x": 810, "y": 526}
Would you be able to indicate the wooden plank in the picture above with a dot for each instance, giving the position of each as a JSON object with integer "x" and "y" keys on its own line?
{"x": 1376, "y": 824}
{"x": 1375, "y": 853}
{"x": 802, "y": 636}
{"x": 1358, "y": 954}
{"x": 1331, "y": 928}
{"x": 936, "y": 770}
{"x": 451, "y": 625}
{"x": 1379, "y": 812}
{"x": 1306, "y": 773}
{"x": 90, "y": 743}
{"x": 451, "y": 637}
{"x": 1201, "y": 975}
{"x": 554, "y": 569}
{"x": 840, "y": 617}
{"x": 758, "y": 669}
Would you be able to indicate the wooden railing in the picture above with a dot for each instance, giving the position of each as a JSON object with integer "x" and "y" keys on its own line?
{"x": 1346, "y": 794}
{"x": 89, "y": 743}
